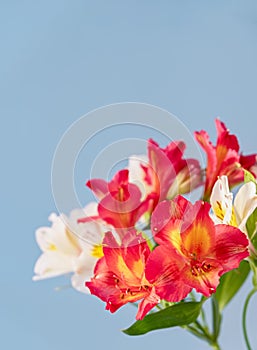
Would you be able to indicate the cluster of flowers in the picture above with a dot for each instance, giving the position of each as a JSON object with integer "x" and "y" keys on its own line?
{"x": 190, "y": 245}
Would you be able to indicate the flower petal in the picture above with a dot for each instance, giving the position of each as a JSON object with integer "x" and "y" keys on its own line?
{"x": 230, "y": 246}
{"x": 166, "y": 164}
{"x": 163, "y": 269}
{"x": 121, "y": 214}
{"x": 198, "y": 237}
{"x": 78, "y": 282}
{"x": 224, "y": 138}
{"x": 248, "y": 162}
{"x": 136, "y": 166}
{"x": 117, "y": 257}
{"x": 52, "y": 264}
{"x": 245, "y": 202}
{"x": 149, "y": 302}
{"x": 113, "y": 288}
{"x": 103, "y": 283}
{"x": 204, "y": 282}
{"x": 223, "y": 159}
{"x": 57, "y": 237}
{"x": 221, "y": 201}
{"x": 204, "y": 140}
{"x": 98, "y": 186}
{"x": 166, "y": 218}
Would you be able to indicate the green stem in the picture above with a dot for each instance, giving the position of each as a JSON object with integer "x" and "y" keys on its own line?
{"x": 203, "y": 317}
{"x": 203, "y": 329}
{"x": 195, "y": 332}
{"x": 201, "y": 332}
{"x": 216, "y": 318}
{"x": 158, "y": 306}
{"x": 244, "y": 318}
{"x": 215, "y": 346}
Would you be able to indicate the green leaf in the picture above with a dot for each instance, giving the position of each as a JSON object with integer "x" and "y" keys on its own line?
{"x": 251, "y": 225}
{"x": 254, "y": 241}
{"x": 176, "y": 315}
{"x": 230, "y": 283}
{"x": 249, "y": 177}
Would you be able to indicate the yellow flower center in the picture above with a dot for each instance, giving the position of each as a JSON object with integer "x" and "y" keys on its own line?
{"x": 97, "y": 251}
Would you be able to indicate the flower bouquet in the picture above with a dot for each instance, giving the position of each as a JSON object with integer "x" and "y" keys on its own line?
{"x": 145, "y": 243}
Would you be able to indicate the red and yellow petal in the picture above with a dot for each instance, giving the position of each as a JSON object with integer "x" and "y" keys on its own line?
{"x": 231, "y": 246}
{"x": 163, "y": 270}
{"x": 204, "y": 276}
{"x": 114, "y": 256}
{"x": 103, "y": 283}
{"x": 135, "y": 252}
{"x": 149, "y": 302}
{"x": 120, "y": 275}
{"x": 167, "y": 218}
{"x": 198, "y": 238}
{"x": 118, "y": 299}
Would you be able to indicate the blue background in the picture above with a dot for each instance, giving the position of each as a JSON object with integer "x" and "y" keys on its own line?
{"x": 61, "y": 59}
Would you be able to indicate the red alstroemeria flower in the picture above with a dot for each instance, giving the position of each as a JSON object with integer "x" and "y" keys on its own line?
{"x": 224, "y": 158}
{"x": 119, "y": 276}
{"x": 166, "y": 172}
{"x": 120, "y": 201}
{"x": 190, "y": 242}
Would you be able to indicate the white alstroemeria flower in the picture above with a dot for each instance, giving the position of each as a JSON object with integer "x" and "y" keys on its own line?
{"x": 137, "y": 174}
{"x": 70, "y": 247}
{"x": 225, "y": 212}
